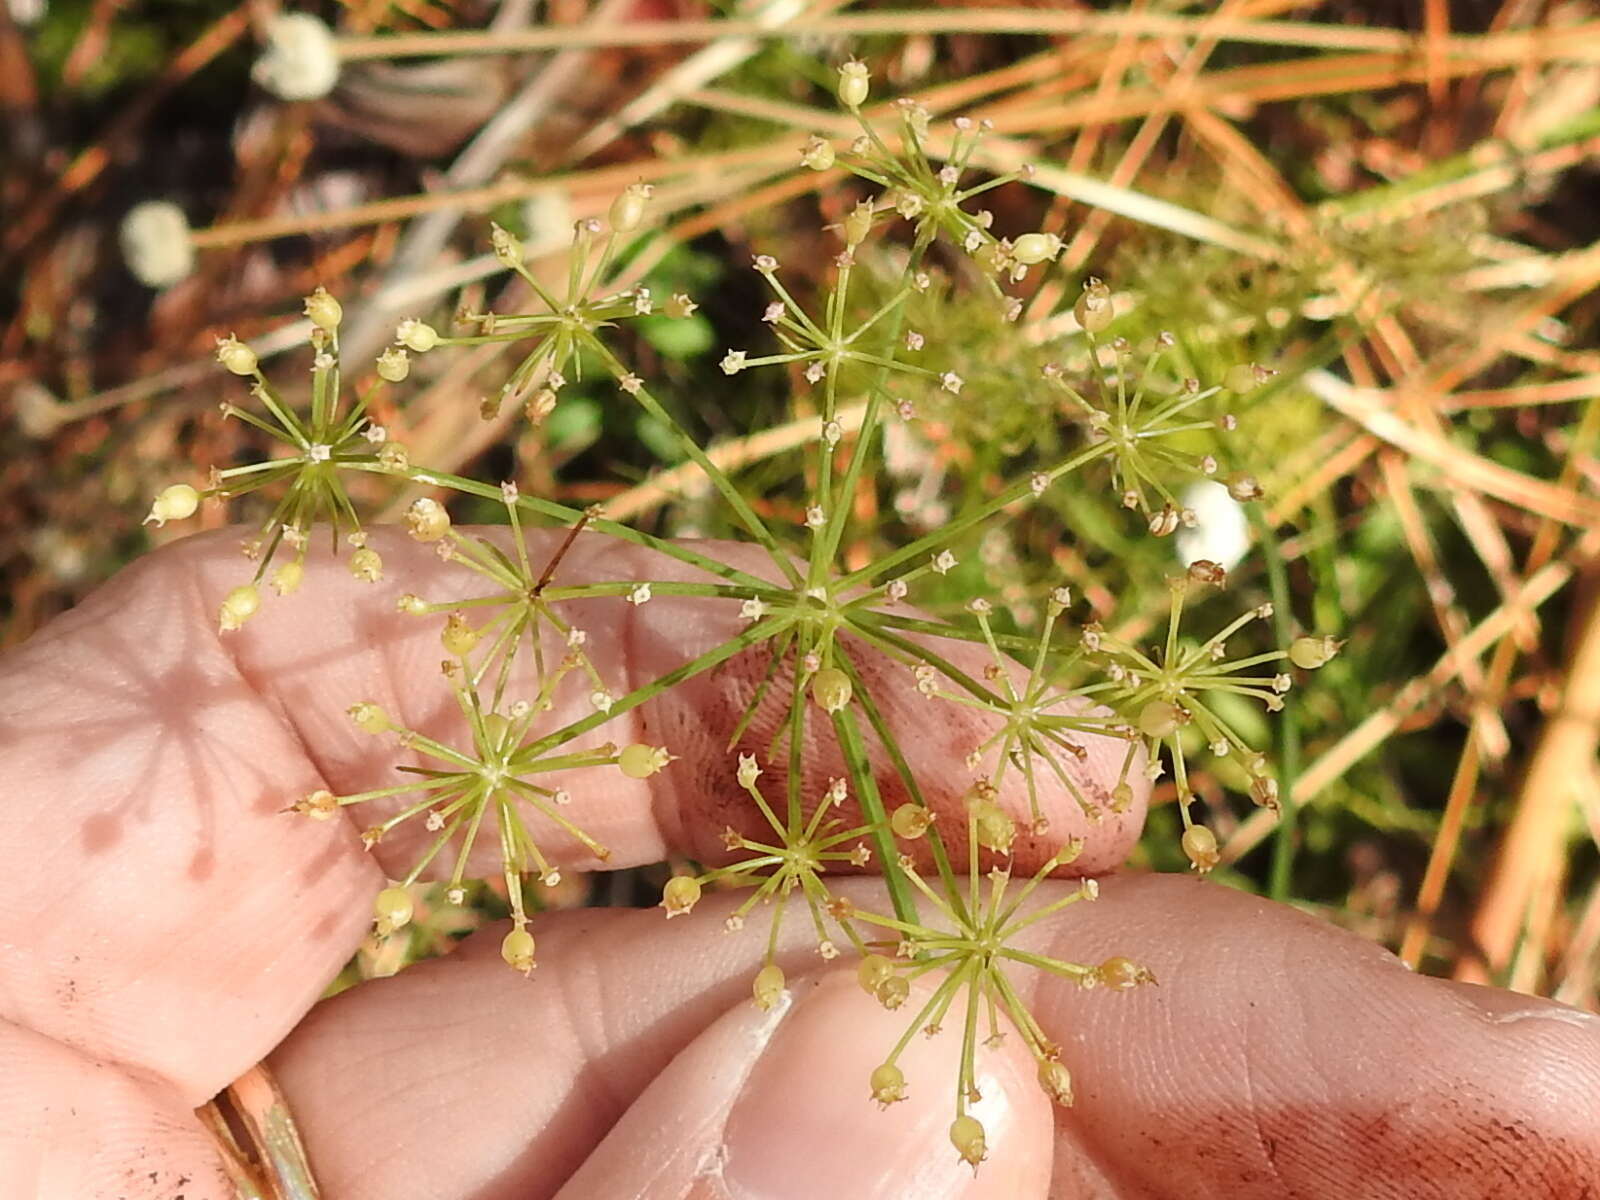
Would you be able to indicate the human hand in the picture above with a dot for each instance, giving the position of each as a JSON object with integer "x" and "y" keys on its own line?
{"x": 168, "y": 926}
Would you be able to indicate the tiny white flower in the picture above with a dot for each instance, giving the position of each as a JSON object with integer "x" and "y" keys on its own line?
{"x": 815, "y": 517}
{"x": 914, "y": 340}
{"x": 951, "y": 382}
{"x": 814, "y": 372}
{"x": 602, "y": 700}
{"x": 773, "y": 313}
{"x": 749, "y": 770}
{"x": 943, "y": 562}
{"x": 752, "y": 609}
{"x": 639, "y": 595}
{"x": 631, "y": 384}
{"x": 896, "y": 590}
{"x": 733, "y": 362}
{"x": 155, "y": 243}
{"x": 301, "y": 61}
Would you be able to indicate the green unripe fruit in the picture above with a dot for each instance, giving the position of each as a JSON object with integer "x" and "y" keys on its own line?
{"x": 680, "y": 895}
{"x": 238, "y": 606}
{"x": 1309, "y": 653}
{"x": 888, "y": 1084}
{"x": 966, "y": 1135}
{"x": 910, "y": 821}
{"x": 1159, "y": 719}
{"x": 831, "y": 689}
{"x": 872, "y": 970}
{"x": 639, "y": 761}
{"x": 393, "y": 909}
{"x": 768, "y": 986}
{"x": 1200, "y": 845}
{"x": 517, "y": 950}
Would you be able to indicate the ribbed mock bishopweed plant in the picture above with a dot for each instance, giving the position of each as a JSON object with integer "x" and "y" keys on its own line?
{"x": 828, "y": 634}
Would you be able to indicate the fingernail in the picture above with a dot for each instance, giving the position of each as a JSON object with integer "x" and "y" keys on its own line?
{"x": 805, "y": 1123}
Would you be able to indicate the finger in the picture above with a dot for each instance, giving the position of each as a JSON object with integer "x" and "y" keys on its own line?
{"x": 1280, "y": 1056}
{"x": 757, "y": 1107}
{"x": 637, "y": 1038}
{"x": 393, "y": 660}
{"x": 75, "y": 1129}
{"x": 1277, "y": 1057}
{"x": 156, "y": 880}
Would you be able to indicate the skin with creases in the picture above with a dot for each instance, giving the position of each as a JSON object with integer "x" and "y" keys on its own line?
{"x": 167, "y": 925}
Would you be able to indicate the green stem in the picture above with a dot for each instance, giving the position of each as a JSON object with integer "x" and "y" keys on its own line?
{"x": 1286, "y": 730}
{"x": 851, "y": 743}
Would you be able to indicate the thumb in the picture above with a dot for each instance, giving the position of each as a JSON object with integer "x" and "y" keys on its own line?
{"x": 777, "y": 1104}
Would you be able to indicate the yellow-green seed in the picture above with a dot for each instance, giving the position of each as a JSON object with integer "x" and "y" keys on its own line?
{"x": 680, "y": 895}
{"x": 1200, "y": 845}
{"x": 238, "y": 606}
{"x": 1093, "y": 309}
{"x": 966, "y": 1135}
{"x": 458, "y": 637}
{"x": 174, "y": 503}
{"x": 517, "y": 950}
{"x": 910, "y": 821}
{"x": 369, "y": 717}
{"x": 995, "y": 830}
{"x": 417, "y": 336}
{"x": 366, "y": 565}
{"x": 325, "y": 312}
{"x": 627, "y": 210}
{"x": 854, "y": 80}
{"x": 1159, "y": 719}
{"x": 393, "y": 909}
{"x": 1056, "y": 1081}
{"x": 1309, "y": 653}
{"x": 1123, "y": 974}
{"x": 287, "y": 578}
{"x": 872, "y": 970}
{"x": 888, "y": 1084}
{"x": 235, "y": 356}
{"x": 831, "y": 689}
{"x": 817, "y": 154}
{"x": 394, "y": 364}
{"x": 427, "y": 520}
{"x": 768, "y": 986}
{"x": 1032, "y": 248}
{"x": 639, "y": 761}
{"x": 858, "y": 224}
{"x": 893, "y": 991}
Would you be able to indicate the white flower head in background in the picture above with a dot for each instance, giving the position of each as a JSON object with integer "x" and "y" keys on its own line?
{"x": 549, "y": 217}
{"x": 300, "y": 61}
{"x": 155, "y": 243}
{"x": 1220, "y": 533}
